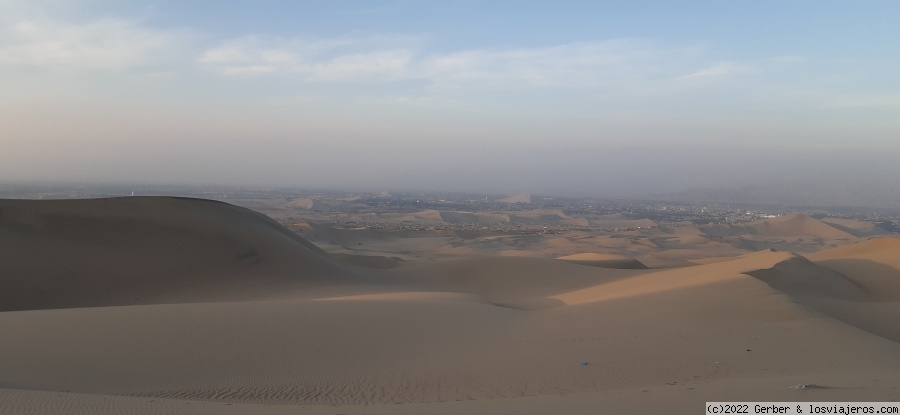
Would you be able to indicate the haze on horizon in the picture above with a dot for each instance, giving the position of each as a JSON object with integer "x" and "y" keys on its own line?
{"x": 570, "y": 97}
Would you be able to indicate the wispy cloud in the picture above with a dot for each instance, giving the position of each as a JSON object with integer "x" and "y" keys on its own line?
{"x": 582, "y": 64}
{"x": 614, "y": 66}
{"x": 719, "y": 69}
{"x": 105, "y": 44}
{"x": 118, "y": 44}
{"x": 611, "y": 63}
{"x": 328, "y": 60}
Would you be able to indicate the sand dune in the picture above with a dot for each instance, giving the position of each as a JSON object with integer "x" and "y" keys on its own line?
{"x": 604, "y": 260}
{"x": 676, "y": 279}
{"x": 85, "y": 253}
{"x": 520, "y": 198}
{"x": 303, "y": 203}
{"x": 798, "y": 277}
{"x": 855, "y": 227}
{"x": 874, "y": 268}
{"x": 795, "y": 225}
{"x": 288, "y": 328}
{"x": 517, "y": 282}
{"x": 798, "y": 224}
{"x": 881, "y": 250}
{"x": 873, "y": 265}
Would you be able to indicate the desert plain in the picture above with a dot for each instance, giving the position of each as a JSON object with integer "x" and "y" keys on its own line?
{"x": 180, "y": 305}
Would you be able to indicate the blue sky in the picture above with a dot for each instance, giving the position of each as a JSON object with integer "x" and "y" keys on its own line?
{"x": 504, "y": 96}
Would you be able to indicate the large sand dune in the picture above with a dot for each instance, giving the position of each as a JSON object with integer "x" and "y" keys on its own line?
{"x": 83, "y": 253}
{"x": 289, "y": 330}
{"x": 795, "y": 225}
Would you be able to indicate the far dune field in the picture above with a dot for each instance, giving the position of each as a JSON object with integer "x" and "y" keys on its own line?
{"x": 179, "y": 305}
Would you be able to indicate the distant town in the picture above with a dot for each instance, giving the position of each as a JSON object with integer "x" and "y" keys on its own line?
{"x": 526, "y": 213}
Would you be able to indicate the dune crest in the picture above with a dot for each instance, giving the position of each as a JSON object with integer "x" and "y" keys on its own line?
{"x": 141, "y": 250}
{"x": 675, "y": 279}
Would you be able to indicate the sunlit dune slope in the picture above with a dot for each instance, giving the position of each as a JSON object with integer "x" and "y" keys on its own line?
{"x": 881, "y": 250}
{"x": 78, "y": 253}
{"x": 798, "y": 224}
{"x": 795, "y": 225}
{"x": 675, "y": 279}
{"x": 520, "y": 198}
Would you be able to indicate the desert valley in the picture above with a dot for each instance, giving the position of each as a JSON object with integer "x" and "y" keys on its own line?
{"x": 415, "y": 207}
{"x": 181, "y": 305}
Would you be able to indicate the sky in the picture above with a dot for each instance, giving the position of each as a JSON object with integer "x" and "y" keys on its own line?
{"x": 561, "y": 97}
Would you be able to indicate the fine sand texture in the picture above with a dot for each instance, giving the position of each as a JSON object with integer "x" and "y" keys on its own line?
{"x": 173, "y": 305}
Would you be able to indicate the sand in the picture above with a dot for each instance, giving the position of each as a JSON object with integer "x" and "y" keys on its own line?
{"x": 154, "y": 305}
{"x": 604, "y": 260}
{"x": 795, "y": 225}
{"x": 124, "y": 251}
{"x": 520, "y": 198}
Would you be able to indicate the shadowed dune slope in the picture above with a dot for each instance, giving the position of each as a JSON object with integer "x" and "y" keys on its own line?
{"x": 516, "y": 282}
{"x": 604, "y": 260}
{"x": 139, "y": 250}
{"x": 874, "y": 267}
{"x": 799, "y": 277}
{"x": 856, "y": 227}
